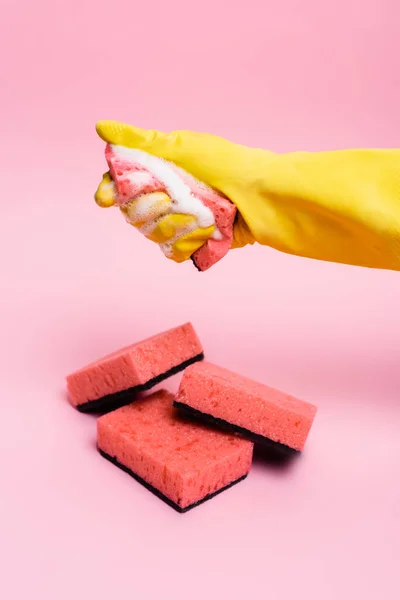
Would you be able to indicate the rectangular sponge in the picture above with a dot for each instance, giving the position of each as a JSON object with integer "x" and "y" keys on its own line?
{"x": 245, "y": 406}
{"x": 111, "y": 381}
{"x": 184, "y": 463}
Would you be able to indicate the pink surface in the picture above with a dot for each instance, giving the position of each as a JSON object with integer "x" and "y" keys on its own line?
{"x": 248, "y": 404}
{"x": 134, "y": 365}
{"x": 285, "y": 75}
{"x": 224, "y": 211}
{"x": 184, "y": 461}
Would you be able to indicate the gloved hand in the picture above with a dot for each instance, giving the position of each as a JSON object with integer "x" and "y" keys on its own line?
{"x": 341, "y": 206}
{"x": 185, "y": 218}
{"x": 177, "y": 234}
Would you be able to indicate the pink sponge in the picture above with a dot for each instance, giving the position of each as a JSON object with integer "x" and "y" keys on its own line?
{"x": 184, "y": 463}
{"x": 247, "y": 407}
{"x": 112, "y": 381}
{"x": 135, "y": 173}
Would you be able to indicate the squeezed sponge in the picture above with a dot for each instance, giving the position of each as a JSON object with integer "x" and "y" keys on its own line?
{"x": 134, "y": 173}
{"x": 184, "y": 463}
{"x": 112, "y": 381}
{"x": 245, "y": 406}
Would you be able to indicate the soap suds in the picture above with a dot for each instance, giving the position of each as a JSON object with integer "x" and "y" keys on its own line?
{"x": 183, "y": 201}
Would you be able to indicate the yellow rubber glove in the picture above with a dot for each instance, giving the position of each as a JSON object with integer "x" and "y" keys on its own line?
{"x": 341, "y": 206}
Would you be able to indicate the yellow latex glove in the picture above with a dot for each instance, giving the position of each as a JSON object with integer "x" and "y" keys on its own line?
{"x": 341, "y": 206}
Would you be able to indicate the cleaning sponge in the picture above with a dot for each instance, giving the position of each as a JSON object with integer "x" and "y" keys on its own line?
{"x": 184, "y": 463}
{"x": 245, "y": 406}
{"x": 113, "y": 380}
{"x": 149, "y": 189}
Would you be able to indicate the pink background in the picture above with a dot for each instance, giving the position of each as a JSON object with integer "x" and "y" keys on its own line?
{"x": 77, "y": 283}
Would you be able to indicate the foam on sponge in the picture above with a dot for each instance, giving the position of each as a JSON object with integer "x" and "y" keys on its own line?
{"x": 135, "y": 173}
{"x": 245, "y": 406}
{"x": 183, "y": 462}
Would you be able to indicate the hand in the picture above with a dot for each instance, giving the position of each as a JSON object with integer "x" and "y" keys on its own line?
{"x": 203, "y": 156}
{"x": 341, "y": 206}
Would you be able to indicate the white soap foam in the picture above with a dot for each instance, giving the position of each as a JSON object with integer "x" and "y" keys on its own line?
{"x": 139, "y": 177}
{"x": 145, "y": 206}
{"x": 183, "y": 201}
{"x": 217, "y": 235}
{"x": 148, "y": 228}
{"x": 109, "y": 187}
